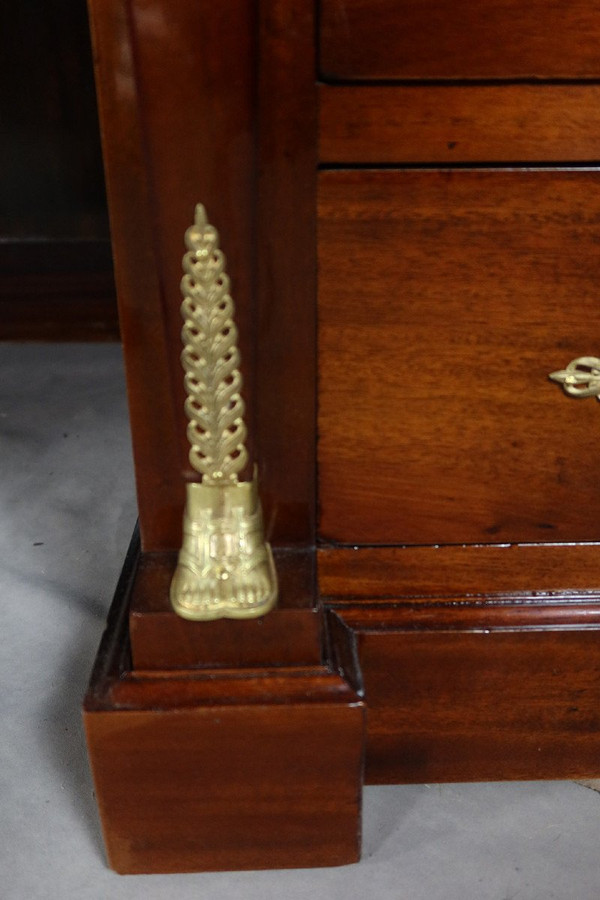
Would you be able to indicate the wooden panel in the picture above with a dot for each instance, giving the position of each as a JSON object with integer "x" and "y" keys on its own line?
{"x": 177, "y": 128}
{"x": 289, "y": 635}
{"x": 491, "y": 700}
{"x": 195, "y": 74}
{"x": 445, "y": 299}
{"x": 227, "y": 787}
{"x": 376, "y": 572}
{"x": 137, "y": 278}
{"x": 221, "y": 769}
{"x": 434, "y": 39}
{"x": 286, "y": 269}
{"x": 458, "y": 124}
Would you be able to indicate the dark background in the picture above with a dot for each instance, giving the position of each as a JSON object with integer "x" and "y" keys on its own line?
{"x": 56, "y": 278}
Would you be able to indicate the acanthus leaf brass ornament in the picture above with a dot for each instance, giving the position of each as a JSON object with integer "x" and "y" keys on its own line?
{"x": 225, "y": 567}
{"x": 580, "y": 378}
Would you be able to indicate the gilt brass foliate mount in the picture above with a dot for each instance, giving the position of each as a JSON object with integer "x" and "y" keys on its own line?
{"x": 580, "y": 378}
{"x": 225, "y": 567}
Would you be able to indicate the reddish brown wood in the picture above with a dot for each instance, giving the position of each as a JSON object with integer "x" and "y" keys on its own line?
{"x": 153, "y": 418}
{"x": 458, "y": 124}
{"x": 289, "y": 635}
{"x": 376, "y": 572}
{"x": 198, "y": 132}
{"x": 555, "y": 613}
{"x": 171, "y": 141}
{"x": 495, "y": 694}
{"x": 225, "y": 787}
{"x": 253, "y": 686}
{"x": 222, "y": 769}
{"x": 445, "y": 300}
{"x": 286, "y": 363}
{"x": 369, "y": 39}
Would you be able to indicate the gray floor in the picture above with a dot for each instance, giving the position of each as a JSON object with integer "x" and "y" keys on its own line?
{"x": 68, "y": 509}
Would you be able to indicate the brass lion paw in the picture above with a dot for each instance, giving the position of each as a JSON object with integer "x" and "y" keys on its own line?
{"x": 225, "y": 568}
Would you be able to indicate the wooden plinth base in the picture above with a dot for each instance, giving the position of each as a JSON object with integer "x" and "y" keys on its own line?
{"x": 233, "y": 745}
{"x": 290, "y": 635}
{"x": 477, "y": 690}
{"x": 222, "y": 768}
{"x": 477, "y": 662}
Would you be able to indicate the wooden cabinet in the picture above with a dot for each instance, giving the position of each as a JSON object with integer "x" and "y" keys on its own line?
{"x": 456, "y": 228}
{"x": 410, "y": 211}
{"x": 458, "y": 286}
{"x": 432, "y": 39}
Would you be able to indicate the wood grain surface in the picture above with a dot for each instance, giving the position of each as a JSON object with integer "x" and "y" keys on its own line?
{"x": 153, "y": 421}
{"x": 455, "y": 483}
{"x": 170, "y": 140}
{"x": 181, "y": 125}
{"x": 228, "y": 787}
{"x": 286, "y": 370}
{"x": 237, "y": 767}
{"x": 445, "y": 300}
{"x": 479, "y": 694}
{"x": 368, "y": 573}
{"x": 505, "y": 39}
{"x": 196, "y": 83}
{"x": 434, "y": 124}
{"x": 289, "y": 635}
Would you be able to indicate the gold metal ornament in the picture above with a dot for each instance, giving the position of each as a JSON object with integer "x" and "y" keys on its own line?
{"x": 581, "y": 377}
{"x": 225, "y": 567}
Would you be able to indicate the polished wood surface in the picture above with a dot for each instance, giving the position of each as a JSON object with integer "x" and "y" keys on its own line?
{"x": 479, "y": 693}
{"x": 286, "y": 270}
{"x": 153, "y": 419}
{"x": 463, "y": 290}
{"x": 444, "y": 124}
{"x": 503, "y": 39}
{"x": 189, "y": 137}
{"x": 227, "y": 786}
{"x": 197, "y": 129}
{"x": 455, "y": 491}
{"x": 351, "y": 573}
{"x": 227, "y": 768}
{"x": 290, "y": 635}
{"x": 168, "y": 143}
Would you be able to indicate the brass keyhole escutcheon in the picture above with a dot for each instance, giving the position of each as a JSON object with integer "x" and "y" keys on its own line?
{"x": 580, "y": 378}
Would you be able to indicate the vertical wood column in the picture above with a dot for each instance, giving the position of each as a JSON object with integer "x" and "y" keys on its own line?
{"x": 176, "y": 96}
{"x": 286, "y": 363}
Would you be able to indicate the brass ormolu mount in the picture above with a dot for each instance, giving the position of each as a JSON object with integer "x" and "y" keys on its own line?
{"x": 580, "y": 378}
{"x": 225, "y": 567}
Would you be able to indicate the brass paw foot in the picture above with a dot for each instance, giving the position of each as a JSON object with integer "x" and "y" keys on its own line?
{"x": 225, "y": 568}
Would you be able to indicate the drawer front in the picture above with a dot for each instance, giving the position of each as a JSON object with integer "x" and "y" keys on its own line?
{"x": 445, "y": 299}
{"x": 479, "y": 705}
{"x": 467, "y": 123}
{"x": 398, "y": 39}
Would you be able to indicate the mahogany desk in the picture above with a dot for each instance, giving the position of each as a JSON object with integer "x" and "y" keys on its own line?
{"x": 408, "y": 199}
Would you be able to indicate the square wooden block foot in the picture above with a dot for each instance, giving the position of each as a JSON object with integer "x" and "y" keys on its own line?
{"x": 226, "y": 768}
